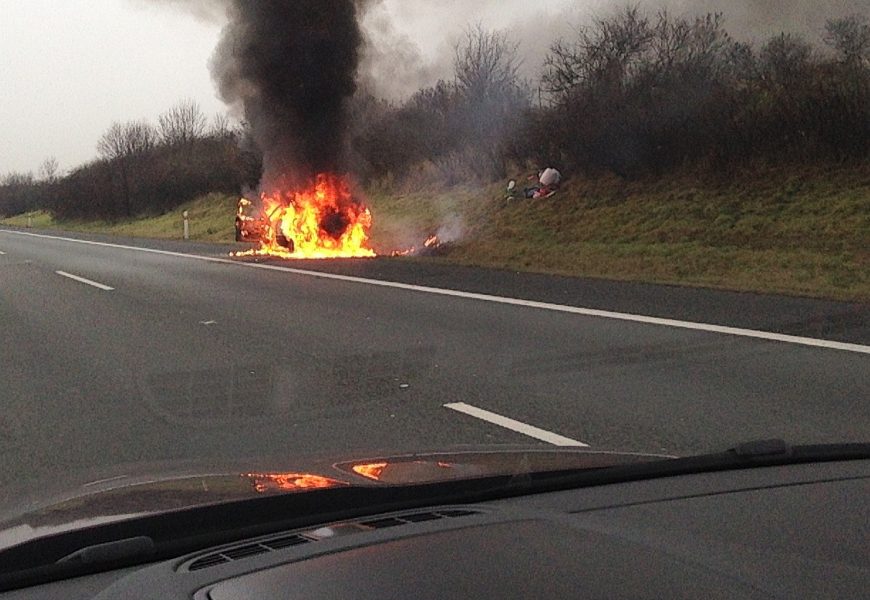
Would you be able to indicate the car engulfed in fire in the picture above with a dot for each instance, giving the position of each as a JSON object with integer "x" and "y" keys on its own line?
{"x": 251, "y": 226}
{"x": 254, "y": 225}
{"x": 324, "y": 220}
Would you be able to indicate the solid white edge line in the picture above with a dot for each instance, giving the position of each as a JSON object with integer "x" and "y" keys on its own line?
{"x": 586, "y": 312}
{"x": 99, "y": 286}
{"x": 513, "y": 425}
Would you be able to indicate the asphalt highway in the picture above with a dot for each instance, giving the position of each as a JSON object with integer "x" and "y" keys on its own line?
{"x": 116, "y": 352}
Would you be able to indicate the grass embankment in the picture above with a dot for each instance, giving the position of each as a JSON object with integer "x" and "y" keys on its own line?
{"x": 211, "y": 220}
{"x": 797, "y": 232}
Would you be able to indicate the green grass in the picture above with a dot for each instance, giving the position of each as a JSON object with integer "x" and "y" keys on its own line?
{"x": 211, "y": 220}
{"x": 801, "y": 232}
{"x": 795, "y": 232}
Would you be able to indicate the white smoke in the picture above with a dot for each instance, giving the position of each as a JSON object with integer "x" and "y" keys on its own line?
{"x": 451, "y": 229}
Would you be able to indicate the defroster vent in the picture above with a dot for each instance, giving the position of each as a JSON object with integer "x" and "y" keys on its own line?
{"x": 283, "y": 541}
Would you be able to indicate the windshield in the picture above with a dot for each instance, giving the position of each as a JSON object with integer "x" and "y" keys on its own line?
{"x": 266, "y": 240}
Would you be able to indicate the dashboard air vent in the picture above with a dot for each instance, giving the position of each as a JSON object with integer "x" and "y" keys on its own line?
{"x": 211, "y": 560}
{"x": 307, "y": 537}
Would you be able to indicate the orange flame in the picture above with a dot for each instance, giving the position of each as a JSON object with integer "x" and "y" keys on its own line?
{"x": 432, "y": 242}
{"x": 323, "y": 222}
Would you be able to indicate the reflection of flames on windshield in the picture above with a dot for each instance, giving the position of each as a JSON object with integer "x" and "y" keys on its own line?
{"x": 322, "y": 222}
{"x": 403, "y": 470}
{"x": 290, "y": 482}
{"x": 371, "y": 471}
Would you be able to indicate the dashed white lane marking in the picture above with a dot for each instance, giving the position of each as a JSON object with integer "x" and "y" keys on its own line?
{"x": 2, "y": 253}
{"x": 517, "y": 426}
{"x": 586, "y": 312}
{"x": 99, "y": 286}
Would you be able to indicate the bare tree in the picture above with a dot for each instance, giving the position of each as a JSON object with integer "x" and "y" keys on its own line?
{"x": 850, "y": 37}
{"x": 120, "y": 145}
{"x": 221, "y": 127}
{"x": 785, "y": 58}
{"x": 486, "y": 64}
{"x": 610, "y": 51}
{"x": 111, "y": 145}
{"x": 699, "y": 48}
{"x": 489, "y": 98}
{"x": 182, "y": 124}
{"x": 141, "y": 137}
{"x": 48, "y": 170}
{"x": 123, "y": 140}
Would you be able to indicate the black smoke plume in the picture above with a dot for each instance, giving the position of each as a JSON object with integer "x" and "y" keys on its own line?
{"x": 291, "y": 66}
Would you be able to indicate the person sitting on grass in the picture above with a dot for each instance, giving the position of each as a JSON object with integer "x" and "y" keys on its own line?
{"x": 548, "y": 182}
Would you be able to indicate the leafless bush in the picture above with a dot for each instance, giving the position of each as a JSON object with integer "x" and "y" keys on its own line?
{"x": 221, "y": 127}
{"x": 470, "y": 118}
{"x": 850, "y": 37}
{"x": 127, "y": 140}
{"x": 786, "y": 59}
{"x": 182, "y": 124}
{"x": 124, "y": 145}
{"x": 18, "y": 193}
{"x": 49, "y": 169}
{"x": 632, "y": 94}
{"x": 486, "y": 65}
{"x": 609, "y": 52}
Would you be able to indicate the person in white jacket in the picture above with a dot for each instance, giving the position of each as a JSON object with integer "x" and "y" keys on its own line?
{"x": 549, "y": 179}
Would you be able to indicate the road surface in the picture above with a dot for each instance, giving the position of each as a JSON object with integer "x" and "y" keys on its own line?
{"x": 119, "y": 351}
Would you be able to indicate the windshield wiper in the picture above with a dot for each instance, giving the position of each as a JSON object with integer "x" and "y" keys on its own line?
{"x": 156, "y": 537}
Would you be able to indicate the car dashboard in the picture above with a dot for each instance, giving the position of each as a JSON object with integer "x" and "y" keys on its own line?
{"x": 796, "y": 531}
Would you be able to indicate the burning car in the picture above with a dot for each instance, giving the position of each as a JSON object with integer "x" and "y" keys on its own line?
{"x": 324, "y": 221}
{"x": 255, "y": 225}
{"x": 251, "y": 226}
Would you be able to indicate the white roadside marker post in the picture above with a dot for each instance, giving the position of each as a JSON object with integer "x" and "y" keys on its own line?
{"x": 186, "y": 216}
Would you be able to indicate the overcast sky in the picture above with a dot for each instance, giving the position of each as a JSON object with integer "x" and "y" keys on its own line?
{"x": 71, "y": 67}
{"x": 68, "y": 68}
